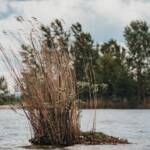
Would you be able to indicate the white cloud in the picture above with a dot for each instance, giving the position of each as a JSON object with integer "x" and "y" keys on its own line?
{"x": 103, "y": 18}
{"x": 3, "y": 6}
{"x": 121, "y": 11}
{"x": 112, "y": 12}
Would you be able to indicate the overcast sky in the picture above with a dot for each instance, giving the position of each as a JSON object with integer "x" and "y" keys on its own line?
{"x": 104, "y": 19}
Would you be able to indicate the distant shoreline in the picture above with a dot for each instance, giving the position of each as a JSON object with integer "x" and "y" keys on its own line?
{"x": 10, "y": 106}
{"x": 17, "y": 106}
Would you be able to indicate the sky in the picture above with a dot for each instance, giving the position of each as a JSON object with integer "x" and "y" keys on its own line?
{"x": 104, "y": 19}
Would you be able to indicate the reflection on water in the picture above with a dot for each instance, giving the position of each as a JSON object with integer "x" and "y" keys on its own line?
{"x": 131, "y": 124}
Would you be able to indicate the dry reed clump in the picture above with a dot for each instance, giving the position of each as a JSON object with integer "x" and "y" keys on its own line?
{"x": 50, "y": 97}
{"x": 48, "y": 85}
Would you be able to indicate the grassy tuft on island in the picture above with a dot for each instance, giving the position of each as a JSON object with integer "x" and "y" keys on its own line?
{"x": 96, "y": 138}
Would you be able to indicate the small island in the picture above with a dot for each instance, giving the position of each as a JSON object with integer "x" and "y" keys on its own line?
{"x": 86, "y": 138}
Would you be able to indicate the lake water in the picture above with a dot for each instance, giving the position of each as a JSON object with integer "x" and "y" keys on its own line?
{"x": 131, "y": 124}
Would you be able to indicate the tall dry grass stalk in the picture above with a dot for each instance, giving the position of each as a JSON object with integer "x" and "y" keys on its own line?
{"x": 50, "y": 97}
{"x": 48, "y": 85}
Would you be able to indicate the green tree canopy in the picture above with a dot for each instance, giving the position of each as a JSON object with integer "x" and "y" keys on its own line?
{"x": 84, "y": 53}
{"x": 137, "y": 36}
{"x": 113, "y": 71}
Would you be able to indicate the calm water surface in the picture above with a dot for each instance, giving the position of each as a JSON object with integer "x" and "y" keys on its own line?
{"x": 131, "y": 124}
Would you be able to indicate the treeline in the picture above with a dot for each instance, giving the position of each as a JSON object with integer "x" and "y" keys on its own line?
{"x": 109, "y": 71}
{"x": 5, "y": 96}
{"x": 121, "y": 72}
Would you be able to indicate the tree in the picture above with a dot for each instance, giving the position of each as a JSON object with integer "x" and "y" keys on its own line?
{"x": 3, "y": 86}
{"x": 3, "y": 90}
{"x": 85, "y": 57}
{"x": 137, "y": 36}
{"x": 83, "y": 51}
{"x": 113, "y": 71}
